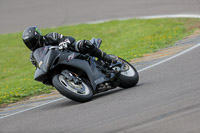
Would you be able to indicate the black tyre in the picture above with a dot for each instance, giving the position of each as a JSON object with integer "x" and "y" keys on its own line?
{"x": 129, "y": 77}
{"x": 79, "y": 93}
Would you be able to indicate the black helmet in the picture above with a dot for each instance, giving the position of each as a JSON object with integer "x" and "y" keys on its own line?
{"x": 32, "y": 37}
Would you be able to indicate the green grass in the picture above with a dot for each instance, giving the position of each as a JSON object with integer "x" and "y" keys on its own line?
{"x": 128, "y": 39}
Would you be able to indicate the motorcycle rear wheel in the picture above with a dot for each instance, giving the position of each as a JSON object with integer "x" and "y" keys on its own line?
{"x": 70, "y": 90}
{"x": 129, "y": 77}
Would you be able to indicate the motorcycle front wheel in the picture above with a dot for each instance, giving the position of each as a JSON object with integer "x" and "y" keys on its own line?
{"x": 129, "y": 76}
{"x": 77, "y": 92}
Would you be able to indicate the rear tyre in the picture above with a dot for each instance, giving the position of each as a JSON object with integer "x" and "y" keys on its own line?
{"x": 129, "y": 77}
{"x": 79, "y": 93}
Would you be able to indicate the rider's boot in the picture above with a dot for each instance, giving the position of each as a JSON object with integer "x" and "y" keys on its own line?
{"x": 86, "y": 46}
{"x": 110, "y": 58}
{"x": 103, "y": 56}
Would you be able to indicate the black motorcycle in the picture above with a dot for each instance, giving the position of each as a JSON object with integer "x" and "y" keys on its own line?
{"x": 78, "y": 76}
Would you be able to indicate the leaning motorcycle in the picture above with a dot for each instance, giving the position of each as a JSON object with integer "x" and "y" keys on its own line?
{"x": 79, "y": 77}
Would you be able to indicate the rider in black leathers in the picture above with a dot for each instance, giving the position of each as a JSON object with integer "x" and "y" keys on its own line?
{"x": 33, "y": 39}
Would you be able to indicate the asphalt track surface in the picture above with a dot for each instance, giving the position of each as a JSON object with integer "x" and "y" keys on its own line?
{"x": 16, "y": 15}
{"x": 165, "y": 100}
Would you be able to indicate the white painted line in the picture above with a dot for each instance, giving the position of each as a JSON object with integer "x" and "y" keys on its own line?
{"x": 171, "y": 16}
{"x": 32, "y": 108}
{"x": 146, "y": 17}
{"x": 170, "y": 58}
{"x": 149, "y": 17}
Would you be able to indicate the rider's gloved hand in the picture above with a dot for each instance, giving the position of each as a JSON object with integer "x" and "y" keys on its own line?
{"x": 63, "y": 45}
{"x": 33, "y": 60}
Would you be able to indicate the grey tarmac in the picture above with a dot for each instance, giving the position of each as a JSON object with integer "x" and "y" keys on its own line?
{"x": 165, "y": 100}
{"x": 16, "y": 15}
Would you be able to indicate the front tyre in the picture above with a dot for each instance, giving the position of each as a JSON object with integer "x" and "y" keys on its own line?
{"x": 80, "y": 93}
{"x": 129, "y": 76}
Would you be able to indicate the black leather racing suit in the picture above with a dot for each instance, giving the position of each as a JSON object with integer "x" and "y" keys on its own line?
{"x": 82, "y": 46}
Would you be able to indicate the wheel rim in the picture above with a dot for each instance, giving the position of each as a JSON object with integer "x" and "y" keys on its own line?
{"x": 128, "y": 70}
{"x": 81, "y": 89}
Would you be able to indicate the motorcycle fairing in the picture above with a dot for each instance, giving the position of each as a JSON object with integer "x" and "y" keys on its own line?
{"x": 48, "y": 59}
{"x": 88, "y": 67}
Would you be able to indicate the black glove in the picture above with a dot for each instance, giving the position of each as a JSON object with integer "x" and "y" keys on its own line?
{"x": 63, "y": 45}
{"x": 33, "y": 60}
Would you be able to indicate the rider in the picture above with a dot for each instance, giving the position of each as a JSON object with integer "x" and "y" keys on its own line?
{"x": 33, "y": 39}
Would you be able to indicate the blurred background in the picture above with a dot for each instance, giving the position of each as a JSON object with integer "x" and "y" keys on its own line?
{"x": 16, "y": 15}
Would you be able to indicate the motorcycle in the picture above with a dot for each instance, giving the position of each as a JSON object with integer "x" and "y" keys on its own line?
{"x": 80, "y": 76}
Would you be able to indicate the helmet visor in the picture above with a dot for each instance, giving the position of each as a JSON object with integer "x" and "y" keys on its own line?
{"x": 33, "y": 43}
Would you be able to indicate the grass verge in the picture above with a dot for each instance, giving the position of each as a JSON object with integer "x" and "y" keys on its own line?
{"x": 128, "y": 39}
